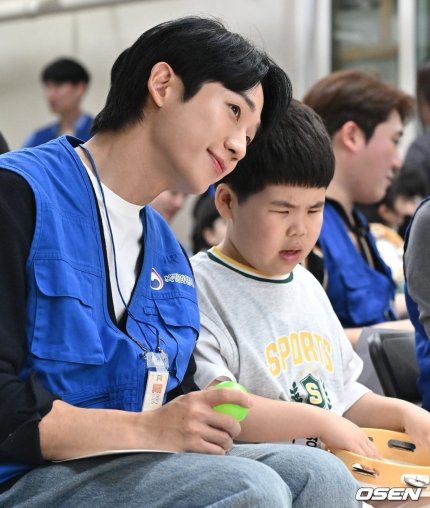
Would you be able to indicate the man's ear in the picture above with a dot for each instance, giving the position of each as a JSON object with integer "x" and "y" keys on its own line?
{"x": 161, "y": 78}
{"x": 351, "y": 136}
{"x": 225, "y": 199}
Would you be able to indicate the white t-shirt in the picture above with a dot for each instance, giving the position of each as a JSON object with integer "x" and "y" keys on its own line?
{"x": 278, "y": 336}
{"x": 127, "y": 230}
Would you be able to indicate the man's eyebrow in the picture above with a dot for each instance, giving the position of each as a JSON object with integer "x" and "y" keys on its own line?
{"x": 248, "y": 100}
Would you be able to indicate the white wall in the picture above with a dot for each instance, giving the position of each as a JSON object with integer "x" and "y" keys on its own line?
{"x": 96, "y": 36}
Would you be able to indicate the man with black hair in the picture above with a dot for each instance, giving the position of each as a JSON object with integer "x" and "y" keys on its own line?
{"x": 99, "y": 306}
{"x": 65, "y": 82}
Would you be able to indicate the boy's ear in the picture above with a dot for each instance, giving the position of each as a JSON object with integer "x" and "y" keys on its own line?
{"x": 224, "y": 200}
{"x": 351, "y": 136}
{"x": 162, "y": 77}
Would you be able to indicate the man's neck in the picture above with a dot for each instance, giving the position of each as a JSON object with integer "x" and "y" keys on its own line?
{"x": 124, "y": 165}
{"x": 68, "y": 121}
{"x": 338, "y": 193}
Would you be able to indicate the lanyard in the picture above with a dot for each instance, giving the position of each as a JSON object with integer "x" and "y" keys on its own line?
{"x": 157, "y": 361}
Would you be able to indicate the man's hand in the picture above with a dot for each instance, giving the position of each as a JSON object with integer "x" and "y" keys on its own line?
{"x": 189, "y": 422}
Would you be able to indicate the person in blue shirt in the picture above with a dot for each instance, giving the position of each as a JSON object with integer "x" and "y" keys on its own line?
{"x": 65, "y": 83}
{"x": 99, "y": 306}
{"x": 365, "y": 118}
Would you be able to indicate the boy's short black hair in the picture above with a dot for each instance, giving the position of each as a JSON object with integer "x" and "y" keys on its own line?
{"x": 297, "y": 152}
{"x": 65, "y": 70}
{"x": 199, "y": 50}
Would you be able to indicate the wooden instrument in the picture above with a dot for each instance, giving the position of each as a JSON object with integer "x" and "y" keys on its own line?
{"x": 403, "y": 463}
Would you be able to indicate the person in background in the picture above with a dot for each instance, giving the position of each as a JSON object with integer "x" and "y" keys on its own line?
{"x": 65, "y": 82}
{"x": 208, "y": 226}
{"x": 169, "y": 203}
{"x": 365, "y": 118}
{"x": 4, "y": 147}
{"x": 417, "y": 289}
{"x": 390, "y": 217}
{"x": 418, "y": 155}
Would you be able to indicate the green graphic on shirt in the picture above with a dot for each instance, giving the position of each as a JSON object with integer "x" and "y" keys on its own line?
{"x": 294, "y": 393}
{"x": 329, "y": 405}
{"x": 314, "y": 390}
{"x": 316, "y": 393}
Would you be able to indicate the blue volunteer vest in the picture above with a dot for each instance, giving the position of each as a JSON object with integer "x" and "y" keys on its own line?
{"x": 359, "y": 294}
{"x": 73, "y": 345}
{"x": 422, "y": 342}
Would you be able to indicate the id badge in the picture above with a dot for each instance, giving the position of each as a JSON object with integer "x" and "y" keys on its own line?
{"x": 156, "y": 383}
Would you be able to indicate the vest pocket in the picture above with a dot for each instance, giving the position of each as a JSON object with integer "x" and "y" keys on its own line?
{"x": 100, "y": 400}
{"x": 366, "y": 297}
{"x": 64, "y": 326}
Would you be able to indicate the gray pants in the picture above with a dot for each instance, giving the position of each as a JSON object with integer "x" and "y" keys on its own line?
{"x": 250, "y": 476}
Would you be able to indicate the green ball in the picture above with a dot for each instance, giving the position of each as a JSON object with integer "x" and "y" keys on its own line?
{"x": 234, "y": 410}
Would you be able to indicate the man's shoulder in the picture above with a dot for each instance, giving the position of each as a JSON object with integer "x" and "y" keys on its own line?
{"x": 422, "y": 215}
{"x": 422, "y": 141}
{"x": 84, "y": 123}
{"x": 419, "y": 150}
{"x": 42, "y": 135}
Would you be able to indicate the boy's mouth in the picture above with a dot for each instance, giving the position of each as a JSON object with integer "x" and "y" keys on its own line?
{"x": 290, "y": 255}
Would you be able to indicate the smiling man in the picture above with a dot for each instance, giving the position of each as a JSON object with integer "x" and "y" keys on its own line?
{"x": 365, "y": 118}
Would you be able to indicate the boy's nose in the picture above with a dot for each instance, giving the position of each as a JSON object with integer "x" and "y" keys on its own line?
{"x": 297, "y": 229}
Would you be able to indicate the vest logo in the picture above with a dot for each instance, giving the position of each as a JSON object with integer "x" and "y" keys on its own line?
{"x": 156, "y": 280}
{"x": 179, "y": 278}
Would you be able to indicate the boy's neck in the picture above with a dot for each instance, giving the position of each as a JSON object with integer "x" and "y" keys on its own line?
{"x": 228, "y": 248}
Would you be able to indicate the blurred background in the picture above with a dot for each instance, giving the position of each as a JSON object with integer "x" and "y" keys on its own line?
{"x": 308, "y": 38}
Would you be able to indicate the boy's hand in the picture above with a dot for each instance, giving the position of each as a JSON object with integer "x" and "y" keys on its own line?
{"x": 340, "y": 433}
{"x": 189, "y": 422}
{"x": 417, "y": 426}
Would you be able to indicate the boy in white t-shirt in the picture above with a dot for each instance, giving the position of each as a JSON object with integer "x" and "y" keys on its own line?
{"x": 267, "y": 323}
